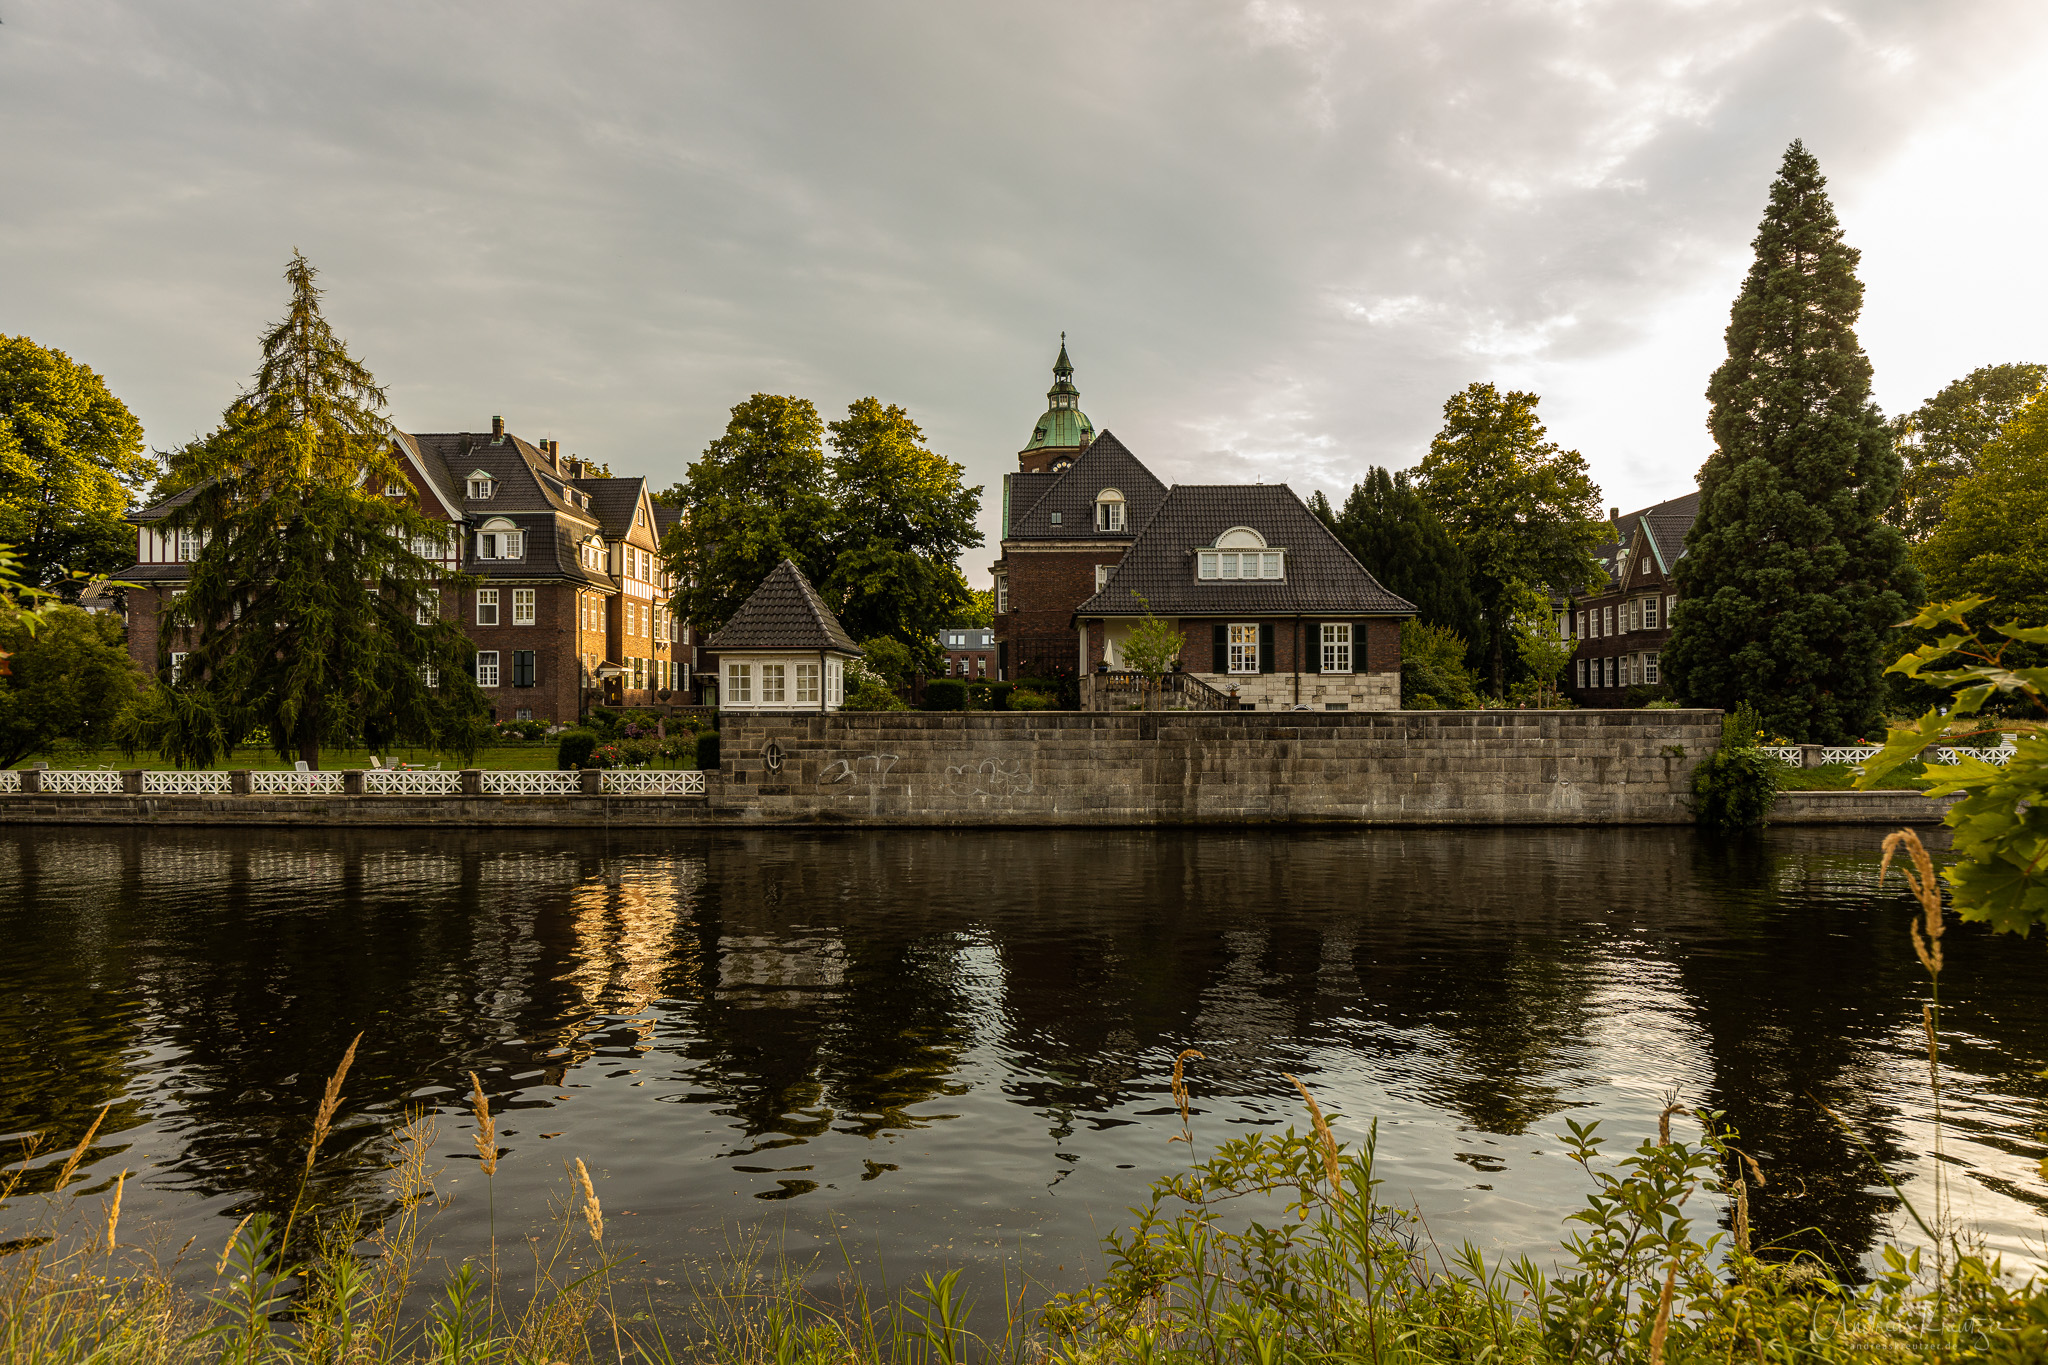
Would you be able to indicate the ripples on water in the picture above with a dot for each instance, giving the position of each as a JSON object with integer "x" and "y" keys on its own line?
{"x": 938, "y": 1048}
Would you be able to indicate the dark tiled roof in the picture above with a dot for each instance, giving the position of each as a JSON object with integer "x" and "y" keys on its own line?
{"x": 1020, "y": 491}
{"x": 612, "y": 502}
{"x": 157, "y": 511}
{"x": 1667, "y": 522}
{"x": 1321, "y": 576}
{"x": 785, "y": 612}
{"x": 1104, "y": 464}
{"x": 665, "y": 518}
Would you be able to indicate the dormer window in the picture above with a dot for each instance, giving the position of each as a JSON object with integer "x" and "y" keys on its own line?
{"x": 481, "y": 485}
{"x": 500, "y": 539}
{"x": 1240, "y": 553}
{"x": 1109, "y": 510}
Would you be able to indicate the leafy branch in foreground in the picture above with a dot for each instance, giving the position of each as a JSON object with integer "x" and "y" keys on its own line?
{"x": 2000, "y": 875}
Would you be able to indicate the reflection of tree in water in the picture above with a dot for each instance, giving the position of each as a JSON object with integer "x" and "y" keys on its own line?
{"x": 827, "y": 1008}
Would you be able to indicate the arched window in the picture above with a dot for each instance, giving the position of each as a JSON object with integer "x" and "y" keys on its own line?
{"x": 500, "y": 539}
{"x": 1240, "y": 553}
{"x": 1109, "y": 510}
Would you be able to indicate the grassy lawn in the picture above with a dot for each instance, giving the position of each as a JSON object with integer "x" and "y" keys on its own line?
{"x": 526, "y": 754}
{"x": 1834, "y": 777}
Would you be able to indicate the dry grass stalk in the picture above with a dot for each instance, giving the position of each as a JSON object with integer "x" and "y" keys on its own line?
{"x": 114, "y": 1211}
{"x": 228, "y": 1250}
{"x": 486, "y": 1127}
{"x": 1180, "y": 1095}
{"x": 330, "y": 1102}
{"x": 1920, "y": 880}
{"x": 1663, "y": 1323}
{"x": 1741, "y": 1215}
{"x": 593, "y": 1215}
{"x": 1315, "y": 1113}
{"x": 84, "y": 1143}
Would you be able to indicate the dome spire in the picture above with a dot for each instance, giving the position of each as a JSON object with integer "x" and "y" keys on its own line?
{"x": 1064, "y": 430}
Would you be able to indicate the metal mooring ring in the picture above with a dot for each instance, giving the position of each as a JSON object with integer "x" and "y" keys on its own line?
{"x": 772, "y": 756}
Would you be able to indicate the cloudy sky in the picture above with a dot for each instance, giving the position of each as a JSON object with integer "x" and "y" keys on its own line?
{"x": 1278, "y": 235}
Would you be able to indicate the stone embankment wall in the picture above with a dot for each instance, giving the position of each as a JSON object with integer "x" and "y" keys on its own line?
{"x": 1197, "y": 767}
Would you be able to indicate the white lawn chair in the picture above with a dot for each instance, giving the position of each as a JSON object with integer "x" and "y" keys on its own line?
{"x": 302, "y": 766}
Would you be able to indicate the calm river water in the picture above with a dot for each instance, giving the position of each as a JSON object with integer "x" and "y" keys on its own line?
{"x": 952, "y": 1048}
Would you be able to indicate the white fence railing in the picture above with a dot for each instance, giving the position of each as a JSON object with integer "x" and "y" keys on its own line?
{"x": 1790, "y": 753}
{"x": 653, "y": 782}
{"x": 287, "y": 783}
{"x": 411, "y": 782}
{"x": 82, "y": 781}
{"x": 536, "y": 782}
{"x": 175, "y": 783}
{"x": 10, "y": 780}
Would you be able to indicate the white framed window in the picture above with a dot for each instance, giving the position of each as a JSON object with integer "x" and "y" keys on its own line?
{"x": 1002, "y": 594}
{"x": 1649, "y": 613}
{"x": 1582, "y": 625}
{"x": 675, "y": 629}
{"x": 1582, "y": 674}
{"x": 807, "y": 684}
{"x": 393, "y": 489}
{"x": 487, "y": 668}
{"x": 1055, "y": 518}
{"x": 1228, "y": 564}
{"x": 1244, "y": 648}
{"x": 1609, "y": 610}
{"x": 522, "y": 606}
{"x": 189, "y": 542}
{"x": 1614, "y": 670}
{"x": 1670, "y": 605}
{"x": 835, "y": 683}
{"x": 1336, "y": 647}
{"x": 178, "y": 665}
{"x": 487, "y": 606}
{"x": 1101, "y": 577}
{"x": 482, "y": 486}
{"x": 1109, "y": 510}
{"x": 774, "y": 682}
{"x": 430, "y": 676}
{"x": 501, "y": 544}
{"x": 1650, "y": 669}
{"x": 1564, "y": 625}
{"x": 428, "y": 610}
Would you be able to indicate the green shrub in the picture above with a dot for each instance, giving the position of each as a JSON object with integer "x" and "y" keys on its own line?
{"x": 574, "y": 748}
{"x": 707, "y": 751}
{"x": 1023, "y": 700}
{"x": 999, "y": 695}
{"x": 1734, "y": 789}
{"x": 945, "y": 694}
{"x": 1433, "y": 667}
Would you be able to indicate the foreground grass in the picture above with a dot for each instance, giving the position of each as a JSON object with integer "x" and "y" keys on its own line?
{"x": 525, "y": 754}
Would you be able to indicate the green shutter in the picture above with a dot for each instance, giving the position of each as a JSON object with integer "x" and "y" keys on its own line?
{"x": 1314, "y": 646}
{"x": 1219, "y": 658}
{"x": 1266, "y": 660}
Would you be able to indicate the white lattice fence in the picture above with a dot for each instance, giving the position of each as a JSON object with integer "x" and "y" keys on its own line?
{"x": 1849, "y": 753}
{"x": 536, "y": 782}
{"x": 82, "y": 781}
{"x": 653, "y": 782}
{"x": 1998, "y": 757}
{"x": 276, "y": 783}
{"x": 185, "y": 784}
{"x": 381, "y": 782}
{"x": 1790, "y": 753}
{"x": 10, "y": 780}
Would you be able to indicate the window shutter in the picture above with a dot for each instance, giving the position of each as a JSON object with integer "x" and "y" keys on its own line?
{"x": 1219, "y": 657}
{"x": 1266, "y": 660}
{"x": 1314, "y": 662}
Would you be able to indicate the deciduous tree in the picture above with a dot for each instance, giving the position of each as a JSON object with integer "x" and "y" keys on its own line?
{"x": 1790, "y": 582}
{"x": 1522, "y": 511}
{"x": 71, "y": 462}
{"x": 1992, "y": 538}
{"x": 904, "y": 518}
{"x": 1940, "y": 440}
{"x": 67, "y": 677}
{"x": 757, "y": 495}
{"x": 302, "y": 617}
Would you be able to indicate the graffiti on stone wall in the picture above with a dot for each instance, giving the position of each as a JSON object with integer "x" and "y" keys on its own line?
{"x": 869, "y": 767}
{"x": 987, "y": 777}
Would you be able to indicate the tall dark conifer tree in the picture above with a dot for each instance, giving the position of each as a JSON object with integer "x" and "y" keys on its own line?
{"x": 305, "y": 605}
{"x": 1790, "y": 582}
{"x": 1405, "y": 545}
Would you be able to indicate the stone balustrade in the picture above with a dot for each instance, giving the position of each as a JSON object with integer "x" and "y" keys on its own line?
{"x": 392, "y": 782}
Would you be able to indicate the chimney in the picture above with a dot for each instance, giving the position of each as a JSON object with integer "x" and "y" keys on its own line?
{"x": 1614, "y": 515}
{"x": 497, "y": 428}
{"x": 554, "y": 449}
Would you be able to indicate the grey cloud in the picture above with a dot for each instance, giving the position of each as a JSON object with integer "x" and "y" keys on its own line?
{"x": 1279, "y": 235}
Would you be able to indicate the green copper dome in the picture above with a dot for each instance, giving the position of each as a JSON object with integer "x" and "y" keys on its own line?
{"x": 1064, "y": 426}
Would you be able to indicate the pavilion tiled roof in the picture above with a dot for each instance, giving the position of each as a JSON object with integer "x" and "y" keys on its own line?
{"x": 1321, "y": 575}
{"x": 785, "y": 612}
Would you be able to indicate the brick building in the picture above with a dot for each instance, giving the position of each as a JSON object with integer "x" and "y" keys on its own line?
{"x": 572, "y": 606}
{"x": 1277, "y": 613}
{"x": 970, "y": 652}
{"x": 1621, "y": 627}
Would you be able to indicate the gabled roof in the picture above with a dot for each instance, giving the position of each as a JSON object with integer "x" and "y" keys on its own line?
{"x": 1321, "y": 575}
{"x": 1665, "y": 524}
{"x": 785, "y": 612}
{"x": 665, "y": 519}
{"x": 1104, "y": 464}
{"x": 612, "y": 502}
